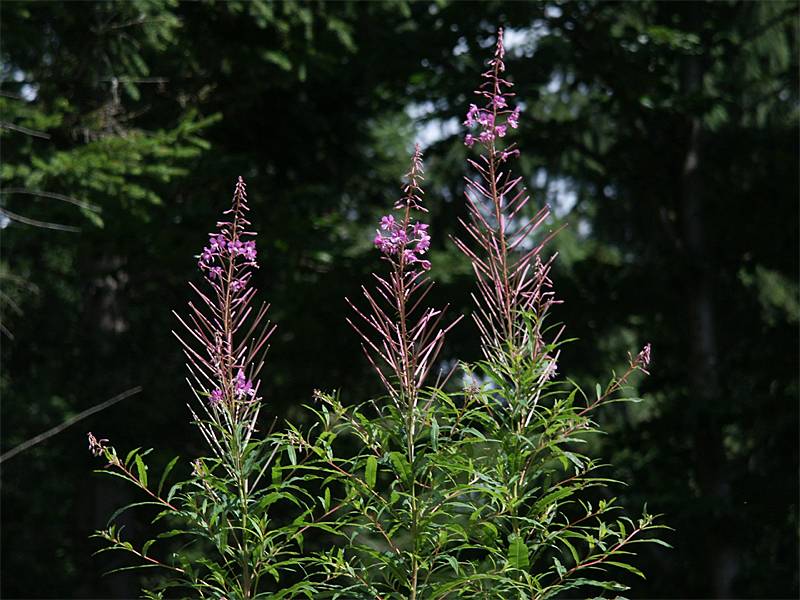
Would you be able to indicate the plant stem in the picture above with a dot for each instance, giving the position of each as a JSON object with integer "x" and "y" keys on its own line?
{"x": 409, "y": 391}
{"x": 498, "y": 212}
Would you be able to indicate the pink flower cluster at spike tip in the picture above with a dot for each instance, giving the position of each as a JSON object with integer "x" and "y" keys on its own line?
{"x": 410, "y": 242}
{"x": 494, "y": 119}
{"x": 403, "y": 239}
{"x": 221, "y": 249}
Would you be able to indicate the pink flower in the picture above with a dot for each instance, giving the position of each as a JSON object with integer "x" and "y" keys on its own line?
{"x": 500, "y": 130}
{"x": 399, "y": 237}
{"x": 469, "y": 140}
{"x": 643, "y": 358}
{"x": 217, "y": 242}
{"x": 486, "y": 119}
{"x": 419, "y": 228}
{"x": 499, "y": 102}
{"x": 96, "y": 447}
{"x": 513, "y": 118}
{"x": 387, "y": 222}
{"x": 471, "y": 113}
{"x": 242, "y": 386}
{"x": 506, "y": 154}
{"x": 249, "y": 251}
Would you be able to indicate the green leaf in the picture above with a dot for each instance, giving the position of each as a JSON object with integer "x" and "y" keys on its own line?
{"x": 452, "y": 562}
{"x": 401, "y": 466}
{"x": 278, "y": 59}
{"x": 292, "y": 455}
{"x": 165, "y": 473}
{"x": 552, "y": 497}
{"x": 130, "y": 456}
{"x": 371, "y": 471}
{"x": 560, "y": 569}
{"x": 572, "y": 550}
{"x": 627, "y": 567}
{"x": 518, "y": 553}
{"x": 622, "y": 531}
{"x": 268, "y": 500}
{"x": 171, "y": 533}
{"x": 434, "y": 434}
{"x": 141, "y": 470}
{"x": 277, "y": 474}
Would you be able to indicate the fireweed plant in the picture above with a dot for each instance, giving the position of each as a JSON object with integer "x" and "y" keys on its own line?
{"x": 549, "y": 538}
{"x": 397, "y": 514}
{"x": 229, "y": 544}
{"x": 435, "y": 489}
{"x": 474, "y": 493}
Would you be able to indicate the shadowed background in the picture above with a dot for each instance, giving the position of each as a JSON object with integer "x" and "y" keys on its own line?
{"x": 664, "y": 134}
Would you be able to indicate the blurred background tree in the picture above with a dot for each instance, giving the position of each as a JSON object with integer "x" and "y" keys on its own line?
{"x": 665, "y": 134}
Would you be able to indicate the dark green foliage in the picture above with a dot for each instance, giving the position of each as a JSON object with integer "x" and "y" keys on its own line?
{"x": 494, "y": 504}
{"x": 211, "y": 529}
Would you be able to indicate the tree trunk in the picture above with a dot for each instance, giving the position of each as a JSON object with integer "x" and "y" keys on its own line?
{"x": 719, "y": 560}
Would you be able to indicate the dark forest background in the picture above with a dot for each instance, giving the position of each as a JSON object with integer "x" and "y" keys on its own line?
{"x": 664, "y": 134}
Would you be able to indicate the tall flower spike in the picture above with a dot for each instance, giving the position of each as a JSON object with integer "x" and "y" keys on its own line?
{"x": 512, "y": 279}
{"x": 227, "y": 339}
{"x": 400, "y": 333}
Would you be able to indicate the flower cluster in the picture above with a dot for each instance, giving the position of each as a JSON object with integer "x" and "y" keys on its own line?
{"x": 409, "y": 242}
{"x": 642, "y": 360}
{"x": 96, "y": 447}
{"x": 496, "y": 117}
{"x": 224, "y": 248}
{"x": 243, "y": 389}
{"x": 403, "y": 239}
{"x": 219, "y": 246}
{"x": 215, "y": 398}
{"x": 486, "y": 118}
